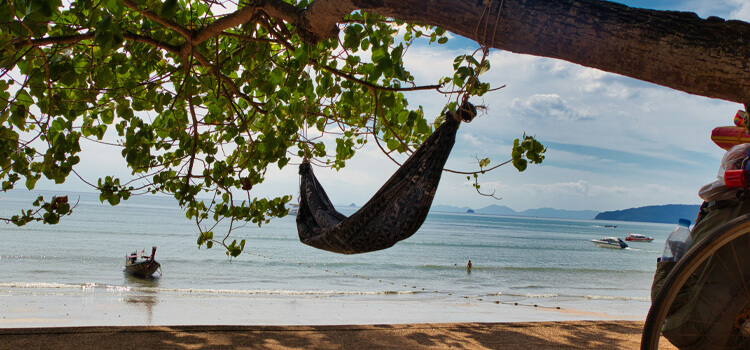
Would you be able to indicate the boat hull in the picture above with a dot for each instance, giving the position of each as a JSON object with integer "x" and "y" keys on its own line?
{"x": 143, "y": 268}
{"x": 607, "y": 245}
{"x": 639, "y": 239}
{"x": 634, "y": 237}
{"x": 610, "y": 242}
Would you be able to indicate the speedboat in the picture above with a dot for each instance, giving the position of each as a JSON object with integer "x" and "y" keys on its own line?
{"x": 635, "y": 237}
{"x": 610, "y": 242}
{"x": 294, "y": 209}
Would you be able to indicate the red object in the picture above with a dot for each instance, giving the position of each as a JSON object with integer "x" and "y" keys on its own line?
{"x": 634, "y": 237}
{"x": 728, "y": 136}
{"x": 735, "y": 178}
{"x": 740, "y": 118}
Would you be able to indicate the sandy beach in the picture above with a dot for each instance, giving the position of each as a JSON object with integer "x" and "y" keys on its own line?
{"x": 511, "y": 336}
{"x": 100, "y": 318}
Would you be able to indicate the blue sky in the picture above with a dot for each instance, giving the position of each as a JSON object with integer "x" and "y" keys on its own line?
{"x": 613, "y": 142}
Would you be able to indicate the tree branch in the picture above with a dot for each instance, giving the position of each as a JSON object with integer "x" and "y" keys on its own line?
{"x": 72, "y": 39}
{"x": 368, "y": 85}
{"x": 186, "y": 33}
{"x": 707, "y": 57}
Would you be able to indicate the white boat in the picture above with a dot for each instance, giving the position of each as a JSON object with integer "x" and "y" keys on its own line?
{"x": 610, "y": 242}
{"x": 294, "y": 209}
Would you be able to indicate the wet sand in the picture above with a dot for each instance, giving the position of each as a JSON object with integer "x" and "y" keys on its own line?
{"x": 511, "y": 336}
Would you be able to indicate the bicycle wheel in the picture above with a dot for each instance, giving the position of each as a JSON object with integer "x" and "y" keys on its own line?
{"x": 717, "y": 269}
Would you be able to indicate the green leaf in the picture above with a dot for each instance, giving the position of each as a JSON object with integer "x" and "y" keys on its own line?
{"x": 484, "y": 163}
{"x": 393, "y": 144}
{"x": 117, "y": 7}
{"x": 107, "y": 35}
{"x": 168, "y": 9}
{"x": 379, "y": 53}
{"x": 24, "y": 98}
{"x": 107, "y": 117}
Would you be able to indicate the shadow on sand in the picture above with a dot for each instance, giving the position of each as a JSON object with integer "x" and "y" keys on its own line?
{"x": 522, "y": 336}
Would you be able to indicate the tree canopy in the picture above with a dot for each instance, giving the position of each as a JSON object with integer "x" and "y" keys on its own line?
{"x": 202, "y": 97}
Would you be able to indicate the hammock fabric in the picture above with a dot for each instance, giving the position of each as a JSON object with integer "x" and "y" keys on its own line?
{"x": 393, "y": 214}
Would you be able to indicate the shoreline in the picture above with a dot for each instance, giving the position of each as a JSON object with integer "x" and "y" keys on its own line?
{"x": 38, "y": 308}
{"x": 500, "y": 336}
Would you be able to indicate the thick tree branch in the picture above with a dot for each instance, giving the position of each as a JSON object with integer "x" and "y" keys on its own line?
{"x": 273, "y": 8}
{"x": 708, "y": 57}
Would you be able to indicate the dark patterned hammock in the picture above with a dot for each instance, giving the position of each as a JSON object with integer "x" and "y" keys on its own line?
{"x": 393, "y": 214}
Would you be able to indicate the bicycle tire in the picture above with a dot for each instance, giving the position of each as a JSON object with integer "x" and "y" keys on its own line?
{"x": 727, "y": 236}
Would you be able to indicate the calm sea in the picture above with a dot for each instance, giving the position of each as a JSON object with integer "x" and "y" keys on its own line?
{"x": 516, "y": 260}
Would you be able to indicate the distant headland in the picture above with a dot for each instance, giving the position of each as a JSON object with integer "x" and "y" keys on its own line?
{"x": 668, "y": 214}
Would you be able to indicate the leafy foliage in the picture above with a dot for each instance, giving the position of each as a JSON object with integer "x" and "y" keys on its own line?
{"x": 528, "y": 150}
{"x": 197, "y": 106}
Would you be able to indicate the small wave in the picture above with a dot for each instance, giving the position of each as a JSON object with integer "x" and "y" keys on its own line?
{"x": 612, "y": 297}
{"x": 542, "y": 295}
{"x": 88, "y": 287}
{"x": 568, "y": 270}
{"x": 572, "y": 297}
{"x": 39, "y": 285}
{"x": 528, "y": 287}
{"x": 286, "y": 292}
{"x": 37, "y": 257}
{"x": 436, "y": 267}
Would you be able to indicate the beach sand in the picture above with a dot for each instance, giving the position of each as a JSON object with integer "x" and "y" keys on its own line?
{"x": 511, "y": 336}
{"x": 104, "y": 319}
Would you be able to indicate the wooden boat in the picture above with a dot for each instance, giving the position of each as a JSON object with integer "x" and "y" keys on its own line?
{"x": 635, "y": 237}
{"x": 142, "y": 266}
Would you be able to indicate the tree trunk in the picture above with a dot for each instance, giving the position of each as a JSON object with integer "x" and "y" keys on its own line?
{"x": 708, "y": 57}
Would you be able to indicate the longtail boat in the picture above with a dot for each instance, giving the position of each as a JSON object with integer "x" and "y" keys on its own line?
{"x": 142, "y": 265}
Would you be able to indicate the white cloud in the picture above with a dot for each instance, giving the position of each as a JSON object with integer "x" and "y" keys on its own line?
{"x": 470, "y": 139}
{"x": 577, "y": 158}
{"x": 728, "y": 9}
{"x": 741, "y": 11}
{"x": 547, "y": 107}
{"x": 586, "y": 189}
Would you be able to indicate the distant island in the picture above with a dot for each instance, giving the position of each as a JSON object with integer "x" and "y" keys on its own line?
{"x": 503, "y": 210}
{"x": 668, "y": 214}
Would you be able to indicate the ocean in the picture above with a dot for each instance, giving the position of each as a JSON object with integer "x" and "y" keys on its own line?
{"x": 524, "y": 269}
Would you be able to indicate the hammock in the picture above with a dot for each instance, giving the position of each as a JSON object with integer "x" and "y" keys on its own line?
{"x": 393, "y": 214}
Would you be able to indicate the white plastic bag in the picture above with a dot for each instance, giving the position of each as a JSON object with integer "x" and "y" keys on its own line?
{"x": 732, "y": 160}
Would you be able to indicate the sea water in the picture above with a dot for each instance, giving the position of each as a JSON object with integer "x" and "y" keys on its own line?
{"x": 526, "y": 261}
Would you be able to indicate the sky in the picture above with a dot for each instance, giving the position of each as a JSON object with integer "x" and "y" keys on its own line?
{"x": 612, "y": 142}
